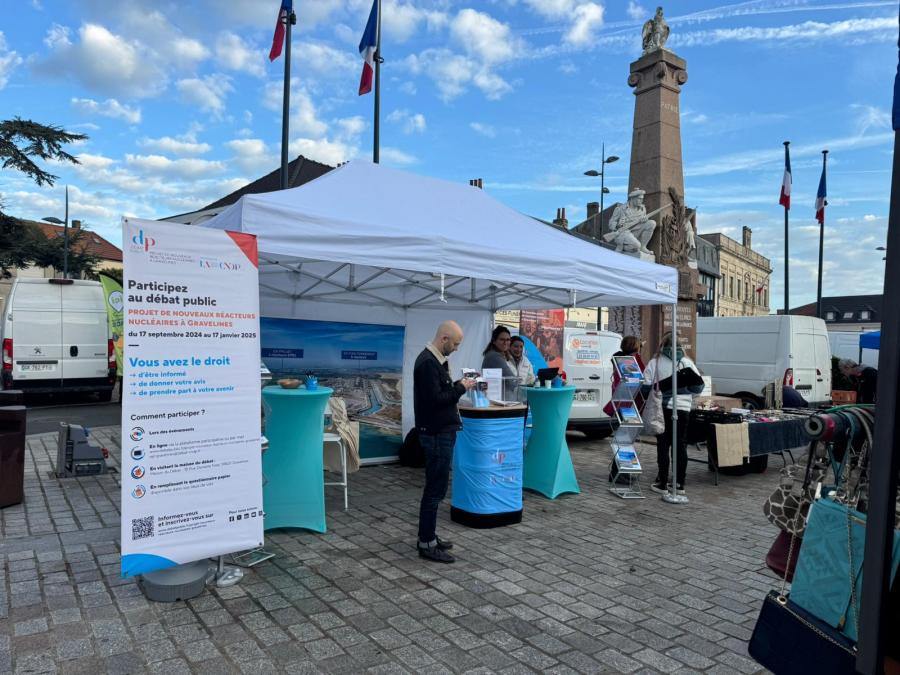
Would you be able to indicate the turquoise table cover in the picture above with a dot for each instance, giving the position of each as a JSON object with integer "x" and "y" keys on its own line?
{"x": 294, "y": 490}
{"x": 548, "y": 465}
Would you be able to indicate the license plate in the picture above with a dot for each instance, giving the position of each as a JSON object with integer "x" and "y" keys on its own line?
{"x": 586, "y": 396}
{"x": 37, "y": 367}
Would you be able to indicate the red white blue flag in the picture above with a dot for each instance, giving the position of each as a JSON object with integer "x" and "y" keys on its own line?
{"x": 367, "y": 48}
{"x": 821, "y": 202}
{"x": 278, "y": 39}
{"x": 785, "y": 198}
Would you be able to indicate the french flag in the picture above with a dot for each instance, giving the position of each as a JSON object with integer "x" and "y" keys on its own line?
{"x": 278, "y": 38}
{"x": 367, "y": 48}
{"x": 821, "y": 202}
{"x": 785, "y": 198}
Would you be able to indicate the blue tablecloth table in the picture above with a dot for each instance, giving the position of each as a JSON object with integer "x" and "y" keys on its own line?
{"x": 487, "y": 467}
{"x": 548, "y": 465}
{"x": 294, "y": 491}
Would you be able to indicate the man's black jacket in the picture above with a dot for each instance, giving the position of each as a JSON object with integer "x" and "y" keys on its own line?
{"x": 435, "y": 395}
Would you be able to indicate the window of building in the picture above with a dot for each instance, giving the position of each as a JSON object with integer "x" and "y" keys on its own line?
{"x": 766, "y": 296}
{"x": 830, "y": 316}
{"x": 865, "y": 315}
{"x": 739, "y": 289}
{"x": 730, "y": 287}
{"x": 848, "y": 316}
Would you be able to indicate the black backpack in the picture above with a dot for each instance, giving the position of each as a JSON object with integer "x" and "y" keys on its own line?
{"x": 411, "y": 452}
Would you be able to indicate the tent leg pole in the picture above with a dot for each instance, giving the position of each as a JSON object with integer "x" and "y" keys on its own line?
{"x": 672, "y": 497}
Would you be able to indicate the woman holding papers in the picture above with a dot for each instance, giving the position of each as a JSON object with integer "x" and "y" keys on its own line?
{"x": 690, "y": 382}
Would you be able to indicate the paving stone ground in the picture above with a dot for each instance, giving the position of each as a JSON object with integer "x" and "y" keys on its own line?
{"x": 586, "y": 583}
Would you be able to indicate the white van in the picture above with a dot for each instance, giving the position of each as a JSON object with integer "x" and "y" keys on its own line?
{"x": 587, "y": 362}
{"x": 55, "y": 337}
{"x": 743, "y": 355}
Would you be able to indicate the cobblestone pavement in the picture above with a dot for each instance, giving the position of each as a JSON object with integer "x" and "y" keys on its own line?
{"x": 587, "y": 583}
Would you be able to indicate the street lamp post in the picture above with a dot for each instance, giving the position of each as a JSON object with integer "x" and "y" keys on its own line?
{"x": 604, "y": 160}
{"x": 65, "y": 224}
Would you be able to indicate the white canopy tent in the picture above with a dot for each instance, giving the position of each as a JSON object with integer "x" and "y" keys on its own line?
{"x": 370, "y": 244}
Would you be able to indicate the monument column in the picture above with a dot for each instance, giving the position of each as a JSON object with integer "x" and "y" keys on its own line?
{"x": 656, "y": 168}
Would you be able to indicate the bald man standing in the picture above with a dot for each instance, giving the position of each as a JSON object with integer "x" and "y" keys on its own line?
{"x": 435, "y": 396}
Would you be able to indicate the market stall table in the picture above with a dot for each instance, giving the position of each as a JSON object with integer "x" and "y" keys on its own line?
{"x": 294, "y": 490}
{"x": 487, "y": 466}
{"x": 548, "y": 465}
{"x": 768, "y": 432}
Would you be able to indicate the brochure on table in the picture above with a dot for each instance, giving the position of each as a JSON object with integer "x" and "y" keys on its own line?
{"x": 625, "y": 403}
{"x": 191, "y": 465}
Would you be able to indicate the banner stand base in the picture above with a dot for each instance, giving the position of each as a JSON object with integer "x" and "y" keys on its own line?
{"x": 227, "y": 576}
{"x": 181, "y": 582}
{"x": 669, "y": 498}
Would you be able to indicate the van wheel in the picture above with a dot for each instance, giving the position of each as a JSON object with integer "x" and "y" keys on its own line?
{"x": 105, "y": 396}
{"x": 751, "y": 403}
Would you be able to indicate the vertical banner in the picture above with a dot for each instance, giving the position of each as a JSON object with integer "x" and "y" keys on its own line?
{"x": 191, "y": 465}
{"x": 112, "y": 291}
{"x": 545, "y": 329}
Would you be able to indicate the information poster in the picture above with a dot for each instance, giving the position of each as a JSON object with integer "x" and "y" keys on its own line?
{"x": 112, "y": 290}
{"x": 191, "y": 460}
{"x": 361, "y": 362}
{"x": 545, "y": 329}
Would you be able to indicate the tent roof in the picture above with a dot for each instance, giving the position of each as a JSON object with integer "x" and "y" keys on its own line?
{"x": 414, "y": 229}
{"x": 870, "y": 340}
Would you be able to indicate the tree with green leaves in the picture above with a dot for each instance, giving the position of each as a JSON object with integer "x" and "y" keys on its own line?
{"x": 22, "y": 143}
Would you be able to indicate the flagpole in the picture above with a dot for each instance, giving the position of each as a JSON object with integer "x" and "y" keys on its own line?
{"x": 376, "y": 151}
{"x": 787, "y": 274}
{"x": 821, "y": 244}
{"x": 289, "y": 19}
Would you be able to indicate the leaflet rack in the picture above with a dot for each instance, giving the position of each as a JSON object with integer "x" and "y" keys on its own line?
{"x": 626, "y": 466}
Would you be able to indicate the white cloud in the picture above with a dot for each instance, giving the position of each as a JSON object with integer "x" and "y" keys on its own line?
{"x": 109, "y": 108}
{"x": 568, "y": 68}
{"x": 349, "y": 128}
{"x": 401, "y": 20}
{"x": 9, "y": 61}
{"x": 323, "y": 150}
{"x": 636, "y": 12}
{"x": 91, "y": 162}
{"x": 322, "y": 59}
{"x": 483, "y": 129}
{"x": 175, "y": 146}
{"x": 233, "y": 53}
{"x": 252, "y": 155}
{"x": 178, "y": 168}
{"x": 410, "y": 123}
{"x": 206, "y": 93}
{"x": 778, "y": 35}
{"x": 453, "y": 73}
{"x": 588, "y": 18}
{"x": 304, "y": 119}
{"x": 102, "y": 61}
{"x": 397, "y": 157}
{"x": 484, "y": 37}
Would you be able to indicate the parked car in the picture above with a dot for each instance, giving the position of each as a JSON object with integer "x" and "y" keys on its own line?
{"x": 587, "y": 362}
{"x": 743, "y": 355}
{"x": 55, "y": 338}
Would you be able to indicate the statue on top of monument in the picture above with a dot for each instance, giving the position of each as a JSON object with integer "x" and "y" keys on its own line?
{"x": 630, "y": 225}
{"x": 655, "y": 32}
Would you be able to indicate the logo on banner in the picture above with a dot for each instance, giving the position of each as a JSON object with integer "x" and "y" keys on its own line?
{"x": 137, "y": 453}
{"x": 139, "y": 491}
{"x": 216, "y": 264}
{"x": 137, "y": 472}
{"x": 137, "y": 433}
{"x": 115, "y": 300}
{"x": 143, "y": 242}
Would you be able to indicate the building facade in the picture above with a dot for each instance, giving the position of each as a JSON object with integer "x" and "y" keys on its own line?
{"x": 708, "y": 267}
{"x": 847, "y": 313}
{"x": 743, "y": 287}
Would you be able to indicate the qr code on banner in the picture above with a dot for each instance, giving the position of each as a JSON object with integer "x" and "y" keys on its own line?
{"x": 141, "y": 528}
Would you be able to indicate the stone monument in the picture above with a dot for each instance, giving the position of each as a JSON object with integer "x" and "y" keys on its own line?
{"x": 656, "y": 172}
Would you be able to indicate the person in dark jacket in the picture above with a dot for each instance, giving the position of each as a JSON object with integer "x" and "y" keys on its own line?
{"x": 864, "y": 377}
{"x": 435, "y": 396}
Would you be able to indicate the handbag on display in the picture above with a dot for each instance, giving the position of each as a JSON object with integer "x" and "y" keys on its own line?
{"x": 654, "y": 422}
{"x": 787, "y": 640}
{"x": 788, "y": 505}
{"x": 828, "y": 579}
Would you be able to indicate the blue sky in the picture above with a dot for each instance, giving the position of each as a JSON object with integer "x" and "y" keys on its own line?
{"x": 182, "y": 106}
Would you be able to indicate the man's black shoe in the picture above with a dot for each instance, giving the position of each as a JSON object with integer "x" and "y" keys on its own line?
{"x": 444, "y": 544}
{"x": 435, "y": 553}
